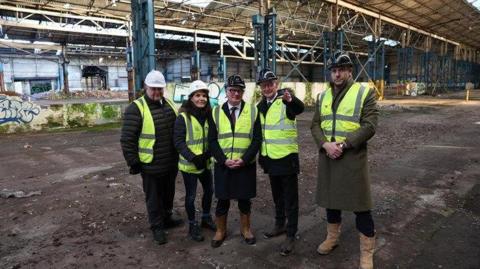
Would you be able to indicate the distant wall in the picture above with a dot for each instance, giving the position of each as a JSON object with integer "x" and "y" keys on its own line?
{"x": 17, "y": 115}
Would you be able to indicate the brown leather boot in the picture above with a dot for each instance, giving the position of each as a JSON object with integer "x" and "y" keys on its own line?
{"x": 367, "y": 247}
{"x": 333, "y": 234}
{"x": 245, "y": 229}
{"x": 221, "y": 232}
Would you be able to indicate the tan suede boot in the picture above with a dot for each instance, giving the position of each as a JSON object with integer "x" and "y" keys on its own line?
{"x": 245, "y": 229}
{"x": 367, "y": 247}
{"x": 221, "y": 231}
{"x": 333, "y": 234}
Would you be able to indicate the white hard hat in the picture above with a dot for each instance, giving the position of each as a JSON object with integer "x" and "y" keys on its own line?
{"x": 155, "y": 79}
{"x": 196, "y": 86}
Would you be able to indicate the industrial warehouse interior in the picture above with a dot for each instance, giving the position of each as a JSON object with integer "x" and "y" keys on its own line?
{"x": 71, "y": 70}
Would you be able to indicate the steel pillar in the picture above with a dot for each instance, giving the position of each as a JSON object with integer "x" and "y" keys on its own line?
{"x": 376, "y": 60}
{"x": 130, "y": 69}
{"x": 265, "y": 41}
{"x": 66, "y": 89}
{"x": 195, "y": 63}
{"x": 405, "y": 64}
{"x": 143, "y": 39}
{"x": 332, "y": 42}
{"x": 222, "y": 68}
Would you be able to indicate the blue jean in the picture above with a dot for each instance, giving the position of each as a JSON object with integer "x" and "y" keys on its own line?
{"x": 190, "y": 181}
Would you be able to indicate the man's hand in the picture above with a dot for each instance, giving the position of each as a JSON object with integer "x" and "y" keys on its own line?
{"x": 287, "y": 96}
{"x": 333, "y": 149}
{"x": 239, "y": 163}
{"x": 230, "y": 163}
{"x": 135, "y": 169}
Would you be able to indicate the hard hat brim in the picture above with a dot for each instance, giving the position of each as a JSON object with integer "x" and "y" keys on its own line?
{"x": 156, "y": 85}
{"x": 340, "y": 65}
{"x": 267, "y": 79}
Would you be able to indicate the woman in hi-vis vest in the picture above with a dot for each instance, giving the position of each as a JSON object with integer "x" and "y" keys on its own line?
{"x": 191, "y": 141}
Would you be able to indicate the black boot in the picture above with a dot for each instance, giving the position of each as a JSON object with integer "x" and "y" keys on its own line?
{"x": 279, "y": 229}
{"x": 170, "y": 222}
{"x": 287, "y": 246}
{"x": 208, "y": 223}
{"x": 159, "y": 236}
{"x": 194, "y": 232}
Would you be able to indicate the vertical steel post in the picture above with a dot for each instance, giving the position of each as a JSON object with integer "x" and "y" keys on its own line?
{"x": 2, "y": 83}
{"x": 143, "y": 39}
{"x": 65, "y": 62}
{"x": 130, "y": 69}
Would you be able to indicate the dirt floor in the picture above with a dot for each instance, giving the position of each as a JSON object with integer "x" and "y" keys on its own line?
{"x": 425, "y": 175}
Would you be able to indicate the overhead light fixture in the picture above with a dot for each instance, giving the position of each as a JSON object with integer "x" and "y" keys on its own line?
{"x": 67, "y": 6}
{"x": 184, "y": 21}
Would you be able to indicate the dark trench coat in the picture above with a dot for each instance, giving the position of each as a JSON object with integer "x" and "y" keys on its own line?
{"x": 344, "y": 183}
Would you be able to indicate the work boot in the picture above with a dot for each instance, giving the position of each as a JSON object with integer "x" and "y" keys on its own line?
{"x": 245, "y": 229}
{"x": 333, "y": 234}
{"x": 195, "y": 233}
{"x": 287, "y": 246}
{"x": 208, "y": 223}
{"x": 276, "y": 231}
{"x": 159, "y": 236}
{"x": 221, "y": 232}
{"x": 367, "y": 247}
{"x": 171, "y": 222}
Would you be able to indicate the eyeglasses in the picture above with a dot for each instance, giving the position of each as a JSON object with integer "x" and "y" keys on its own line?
{"x": 235, "y": 90}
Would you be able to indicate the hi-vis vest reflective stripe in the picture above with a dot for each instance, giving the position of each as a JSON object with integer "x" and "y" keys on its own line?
{"x": 347, "y": 117}
{"x": 235, "y": 144}
{"x": 196, "y": 140}
{"x": 147, "y": 136}
{"x": 279, "y": 132}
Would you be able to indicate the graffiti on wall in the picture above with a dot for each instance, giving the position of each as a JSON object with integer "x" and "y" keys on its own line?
{"x": 215, "y": 92}
{"x": 13, "y": 109}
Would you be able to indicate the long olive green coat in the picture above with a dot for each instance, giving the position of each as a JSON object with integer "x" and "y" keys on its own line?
{"x": 344, "y": 183}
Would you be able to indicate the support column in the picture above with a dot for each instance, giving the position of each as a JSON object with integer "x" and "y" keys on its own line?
{"x": 265, "y": 37}
{"x": 2, "y": 82}
{"x": 332, "y": 42}
{"x": 130, "y": 69}
{"x": 195, "y": 60}
{"x": 66, "y": 89}
{"x": 222, "y": 62}
{"x": 143, "y": 39}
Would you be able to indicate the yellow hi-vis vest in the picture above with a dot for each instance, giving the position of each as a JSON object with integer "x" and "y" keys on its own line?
{"x": 347, "y": 117}
{"x": 147, "y": 136}
{"x": 279, "y": 132}
{"x": 196, "y": 140}
{"x": 234, "y": 144}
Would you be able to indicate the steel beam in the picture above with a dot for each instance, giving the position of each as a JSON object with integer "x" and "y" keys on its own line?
{"x": 143, "y": 39}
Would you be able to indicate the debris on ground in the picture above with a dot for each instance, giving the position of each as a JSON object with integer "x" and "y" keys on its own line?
{"x": 5, "y": 193}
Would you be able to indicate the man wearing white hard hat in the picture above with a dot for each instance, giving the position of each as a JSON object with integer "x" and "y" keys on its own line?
{"x": 191, "y": 141}
{"x": 147, "y": 145}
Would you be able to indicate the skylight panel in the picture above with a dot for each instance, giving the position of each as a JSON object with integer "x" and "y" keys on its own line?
{"x": 195, "y": 3}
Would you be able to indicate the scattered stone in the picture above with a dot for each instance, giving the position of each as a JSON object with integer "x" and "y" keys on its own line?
{"x": 109, "y": 178}
{"x": 5, "y": 193}
{"x": 27, "y": 146}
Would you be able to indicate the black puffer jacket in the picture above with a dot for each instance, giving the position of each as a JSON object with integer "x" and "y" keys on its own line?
{"x": 165, "y": 157}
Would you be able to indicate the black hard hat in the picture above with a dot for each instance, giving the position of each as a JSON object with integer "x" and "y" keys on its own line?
{"x": 339, "y": 59}
{"x": 235, "y": 81}
{"x": 265, "y": 75}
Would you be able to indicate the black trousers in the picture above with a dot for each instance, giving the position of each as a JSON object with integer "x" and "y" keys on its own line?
{"x": 159, "y": 193}
{"x": 244, "y": 205}
{"x": 285, "y": 198}
{"x": 363, "y": 220}
{"x": 190, "y": 181}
